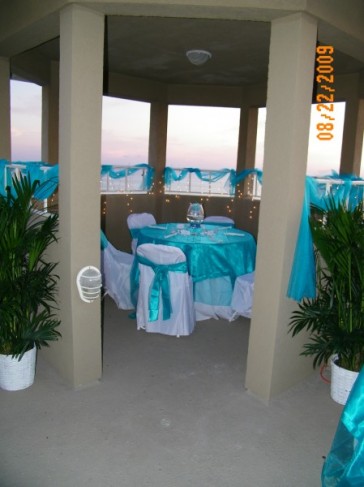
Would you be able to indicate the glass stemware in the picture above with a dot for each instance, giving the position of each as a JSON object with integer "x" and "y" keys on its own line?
{"x": 195, "y": 214}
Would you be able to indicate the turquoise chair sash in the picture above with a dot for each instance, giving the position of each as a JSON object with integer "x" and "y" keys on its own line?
{"x": 160, "y": 285}
{"x": 134, "y": 232}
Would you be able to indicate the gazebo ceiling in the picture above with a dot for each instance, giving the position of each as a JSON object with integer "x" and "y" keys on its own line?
{"x": 155, "y": 48}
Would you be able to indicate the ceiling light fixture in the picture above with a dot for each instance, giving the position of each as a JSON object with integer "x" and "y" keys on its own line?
{"x": 198, "y": 56}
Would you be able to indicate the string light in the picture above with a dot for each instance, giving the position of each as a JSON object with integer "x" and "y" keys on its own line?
{"x": 104, "y": 207}
{"x": 243, "y": 191}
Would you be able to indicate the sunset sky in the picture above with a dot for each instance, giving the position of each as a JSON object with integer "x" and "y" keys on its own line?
{"x": 197, "y": 137}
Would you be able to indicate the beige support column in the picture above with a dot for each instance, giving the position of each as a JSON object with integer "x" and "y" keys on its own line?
{"x": 247, "y": 137}
{"x": 359, "y": 136}
{"x": 246, "y": 147}
{"x": 273, "y": 362}
{"x": 50, "y": 116}
{"x": 244, "y": 207}
{"x": 158, "y": 150}
{"x": 5, "y": 133}
{"x": 350, "y": 156}
{"x": 78, "y": 353}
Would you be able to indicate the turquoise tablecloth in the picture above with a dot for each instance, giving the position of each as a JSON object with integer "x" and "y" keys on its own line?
{"x": 211, "y": 250}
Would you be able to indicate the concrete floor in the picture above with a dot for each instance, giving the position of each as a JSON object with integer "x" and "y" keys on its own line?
{"x": 169, "y": 412}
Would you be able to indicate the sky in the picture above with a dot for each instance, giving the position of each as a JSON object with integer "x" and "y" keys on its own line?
{"x": 323, "y": 155}
{"x": 203, "y": 137}
{"x": 25, "y": 100}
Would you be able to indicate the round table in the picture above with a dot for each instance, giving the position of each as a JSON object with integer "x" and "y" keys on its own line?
{"x": 211, "y": 251}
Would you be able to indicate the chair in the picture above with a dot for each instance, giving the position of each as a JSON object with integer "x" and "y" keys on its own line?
{"x": 219, "y": 220}
{"x": 242, "y": 300}
{"x": 115, "y": 268}
{"x": 165, "y": 298}
{"x": 135, "y": 222}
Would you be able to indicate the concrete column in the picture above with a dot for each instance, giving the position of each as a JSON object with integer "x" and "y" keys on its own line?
{"x": 78, "y": 353}
{"x": 158, "y": 150}
{"x": 350, "y": 156}
{"x": 246, "y": 148}
{"x": 244, "y": 207}
{"x": 5, "y": 132}
{"x": 274, "y": 363}
{"x": 247, "y": 137}
{"x": 50, "y": 116}
{"x": 358, "y": 150}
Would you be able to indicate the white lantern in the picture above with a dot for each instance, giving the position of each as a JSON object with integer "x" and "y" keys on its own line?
{"x": 89, "y": 283}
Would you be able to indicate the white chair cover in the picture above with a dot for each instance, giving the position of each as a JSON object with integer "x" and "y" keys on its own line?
{"x": 222, "y": 220}
{"x": 220, "y": 289}
{"x": 242, "y": 300}
{"x": 115, "y": 268}
{"x": 136, "y": 221}
{"x": 182, "y": 318}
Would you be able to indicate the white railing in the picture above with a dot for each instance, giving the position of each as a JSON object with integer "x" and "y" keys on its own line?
{"x": 252, "y": 187}
{"x": 329, "y": 183}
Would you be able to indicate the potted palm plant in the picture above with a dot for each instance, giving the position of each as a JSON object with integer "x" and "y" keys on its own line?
{"x": 335, "y": 317}
{"x": 27, "y": 283}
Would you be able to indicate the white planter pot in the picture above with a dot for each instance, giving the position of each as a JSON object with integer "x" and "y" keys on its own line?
{"x": 342, "y": 381}
{"x": 15, "y": 375}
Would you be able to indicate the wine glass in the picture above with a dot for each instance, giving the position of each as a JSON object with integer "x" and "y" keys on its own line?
{"x": 195, "y": 214}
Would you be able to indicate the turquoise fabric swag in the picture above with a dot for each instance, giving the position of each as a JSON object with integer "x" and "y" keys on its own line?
{"x": 45, "y": 173}
{"x": 344, "y": 465}
{"x": 342, "y": 189}
{"x": 114, "y": 173}
{"x": 48, "y": 175}
{"x": 171, "y": 175}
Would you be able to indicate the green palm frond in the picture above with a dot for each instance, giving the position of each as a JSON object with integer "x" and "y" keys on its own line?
{"x": 335, "y": 318}
{"x": 28, "y": 283}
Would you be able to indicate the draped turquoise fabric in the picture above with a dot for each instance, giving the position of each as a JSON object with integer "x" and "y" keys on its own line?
{"x": 45, "y": 173}
{"x": 104, "y": 240}
{"x": 171, "y": 175}
{"x": 48, "y": 179}
{"x": 161, "y": 286}
{"x": 3, "y": 164}
{"x": 302, "y": 283}
{"x": 344, "y": 465}
{"x": 114, "y": 173}
{"x": 48, "y": 175}
{"x": 240, "y": 176}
